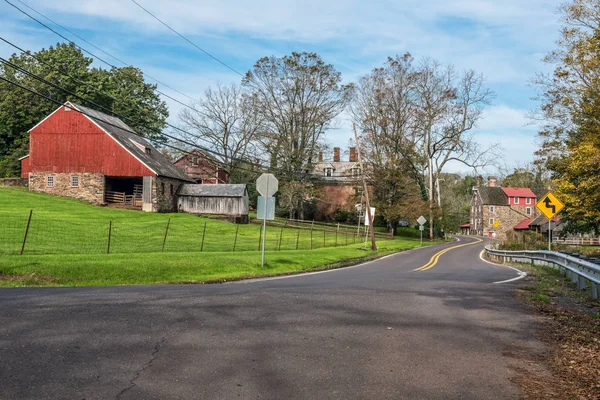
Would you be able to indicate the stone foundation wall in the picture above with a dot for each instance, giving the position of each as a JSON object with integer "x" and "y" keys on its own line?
{"x": 10, "y": 182}
{"x": 163, "y": 194}
{"x": 90, "y": 188}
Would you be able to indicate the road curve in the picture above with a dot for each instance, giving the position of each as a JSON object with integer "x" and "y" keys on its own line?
{"x": 380, "y": 330}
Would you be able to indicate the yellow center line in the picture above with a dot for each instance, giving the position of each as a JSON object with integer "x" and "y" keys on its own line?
{"x": 435, "y": 258}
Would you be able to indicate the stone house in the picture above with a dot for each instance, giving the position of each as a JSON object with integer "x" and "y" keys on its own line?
{"x": 202, "y": 168}
{"x": 495, "y": 210}
{"x": 82, "y": 153}
{"x": 339, "y": 183}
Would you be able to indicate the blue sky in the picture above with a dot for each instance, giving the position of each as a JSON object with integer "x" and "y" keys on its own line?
{"x": 504, "y": 40}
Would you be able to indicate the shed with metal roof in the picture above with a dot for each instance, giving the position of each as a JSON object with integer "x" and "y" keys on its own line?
{"x": 230, "y": 200}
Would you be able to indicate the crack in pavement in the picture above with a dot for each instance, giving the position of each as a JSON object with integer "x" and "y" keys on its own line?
{"x": 147, "y": 365}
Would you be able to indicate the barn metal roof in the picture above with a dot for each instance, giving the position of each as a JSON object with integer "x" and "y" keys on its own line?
{"x": 204, "y": 190}
{"x": 133, "y": 143}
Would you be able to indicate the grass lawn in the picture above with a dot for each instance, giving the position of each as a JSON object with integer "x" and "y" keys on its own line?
{"x": 68, "y": 226}
{"x": 151, "y": 268}
{"x": 68, "y": 240}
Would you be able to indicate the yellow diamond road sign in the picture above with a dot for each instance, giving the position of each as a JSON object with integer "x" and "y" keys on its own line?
{"x": 549, "y": 205}
{"x": 496, "y": 224}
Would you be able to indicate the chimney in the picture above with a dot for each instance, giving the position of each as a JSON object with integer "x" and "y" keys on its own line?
{"x": 336, "y": 154}
{"x": 353, "y": 157}
{"x": 320, "y": 156}
{"x": 492, "y": 181}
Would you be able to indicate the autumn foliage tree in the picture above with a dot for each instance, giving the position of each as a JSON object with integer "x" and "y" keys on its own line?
{"x": 570, "y": 111}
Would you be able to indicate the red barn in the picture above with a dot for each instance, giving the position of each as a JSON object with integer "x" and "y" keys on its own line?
{"x": 82, "y": 153}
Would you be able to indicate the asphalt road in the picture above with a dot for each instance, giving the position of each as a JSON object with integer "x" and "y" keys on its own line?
{"x": 376, "y": 331}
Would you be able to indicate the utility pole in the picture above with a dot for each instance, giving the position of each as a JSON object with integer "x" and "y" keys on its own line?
{"x": 362, "y": 170}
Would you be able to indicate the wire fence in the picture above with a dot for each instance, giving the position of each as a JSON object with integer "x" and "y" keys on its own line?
{"x": 38, "y": 234}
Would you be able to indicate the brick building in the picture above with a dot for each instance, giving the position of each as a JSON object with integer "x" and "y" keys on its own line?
{"x": 82, "y": 153}
{"x": 202, "y": 168}
{"x": 339, "y": 182}
{"x": 495, "y": 210}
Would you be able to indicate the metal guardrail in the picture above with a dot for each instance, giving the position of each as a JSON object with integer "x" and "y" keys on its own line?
{"x": 579, "y": 271}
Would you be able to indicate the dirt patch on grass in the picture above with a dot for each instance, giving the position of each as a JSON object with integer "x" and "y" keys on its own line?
{"x": 27, "y": 279}
{"x": 569, "y": 325}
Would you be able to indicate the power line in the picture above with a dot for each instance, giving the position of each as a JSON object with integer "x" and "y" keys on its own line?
{"x": 37, "y": 77}
{"x": 95, "y": 56}
{"x": 187, "y": 40}
{"x": 64, "y": 73}
{"x": 192, "y": 145}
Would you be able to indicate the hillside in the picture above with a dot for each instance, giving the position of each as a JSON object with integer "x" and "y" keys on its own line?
{"x": 68, "y": 241}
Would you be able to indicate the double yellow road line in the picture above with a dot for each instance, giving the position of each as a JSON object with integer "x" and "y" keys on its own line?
{"x": 436, "y": 257}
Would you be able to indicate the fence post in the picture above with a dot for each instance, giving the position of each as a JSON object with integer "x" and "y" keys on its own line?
{"x": 260, "y": 237}
{"x": 236, "y": 235}
{"x": 109, "y": 235}
{"x": 280, "y": 235}
{"x": 203, "y": 233}
{"x": 297, "y": 239}
{"x": 166, "y": 233}
{"x": 26, "y": 232}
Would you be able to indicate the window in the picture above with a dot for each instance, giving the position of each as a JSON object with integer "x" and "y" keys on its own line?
{"x": 355, "y": 172}
{"x": 74, "y": 181}
{"x": 194, "y": 161}
{"x": 491, "y": 208}
{"x": 516, "y": 200}
{"x": 328, "y": 171}
{"x": 171, "y": 189}
{"x": 50, "y": 181}
{"x": 528, "y": 211}
{"x": 528, "y": 200}
{"x": 147, "y": 150}
{"x": 162, "y": 188}
{"x": 491, "y": 221}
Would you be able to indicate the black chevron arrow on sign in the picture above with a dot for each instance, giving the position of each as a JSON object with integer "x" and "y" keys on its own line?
{"x": 549, "y": 204}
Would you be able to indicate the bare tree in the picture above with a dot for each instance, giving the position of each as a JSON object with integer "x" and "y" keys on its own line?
{"x": 223, "y": 119}
{"x": 297, "y": 97}
{"x": 448, "y": 107}
{"x": 418, "y": 119}
{"x": 383, "y": 107}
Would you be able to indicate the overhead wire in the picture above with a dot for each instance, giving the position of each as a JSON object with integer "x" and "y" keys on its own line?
{"x": 96, "y": 90}
{"x": 109, "y": 64}
{"x": 99, "y": 58}
{"x": 192, "y": 145}
{"x": 186, "y": 39}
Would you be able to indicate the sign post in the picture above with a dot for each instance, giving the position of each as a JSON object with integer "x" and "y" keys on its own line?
{"x": 421, "y": 220}
{"x": 550, "y": 205}
{"x": 267, "y": 185}
{"x": 368, "y": 222}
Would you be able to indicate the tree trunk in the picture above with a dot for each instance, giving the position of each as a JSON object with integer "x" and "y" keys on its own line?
{"x": 431, "y": 199}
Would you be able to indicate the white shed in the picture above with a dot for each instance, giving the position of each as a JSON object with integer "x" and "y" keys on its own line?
{"x": 229, "y": 200}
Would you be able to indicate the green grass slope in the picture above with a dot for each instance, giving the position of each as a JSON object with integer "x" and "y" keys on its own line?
{"x": 68, "y": 241}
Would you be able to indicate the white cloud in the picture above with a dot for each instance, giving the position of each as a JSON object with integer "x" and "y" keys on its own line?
{"x": 504, "y": 40}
